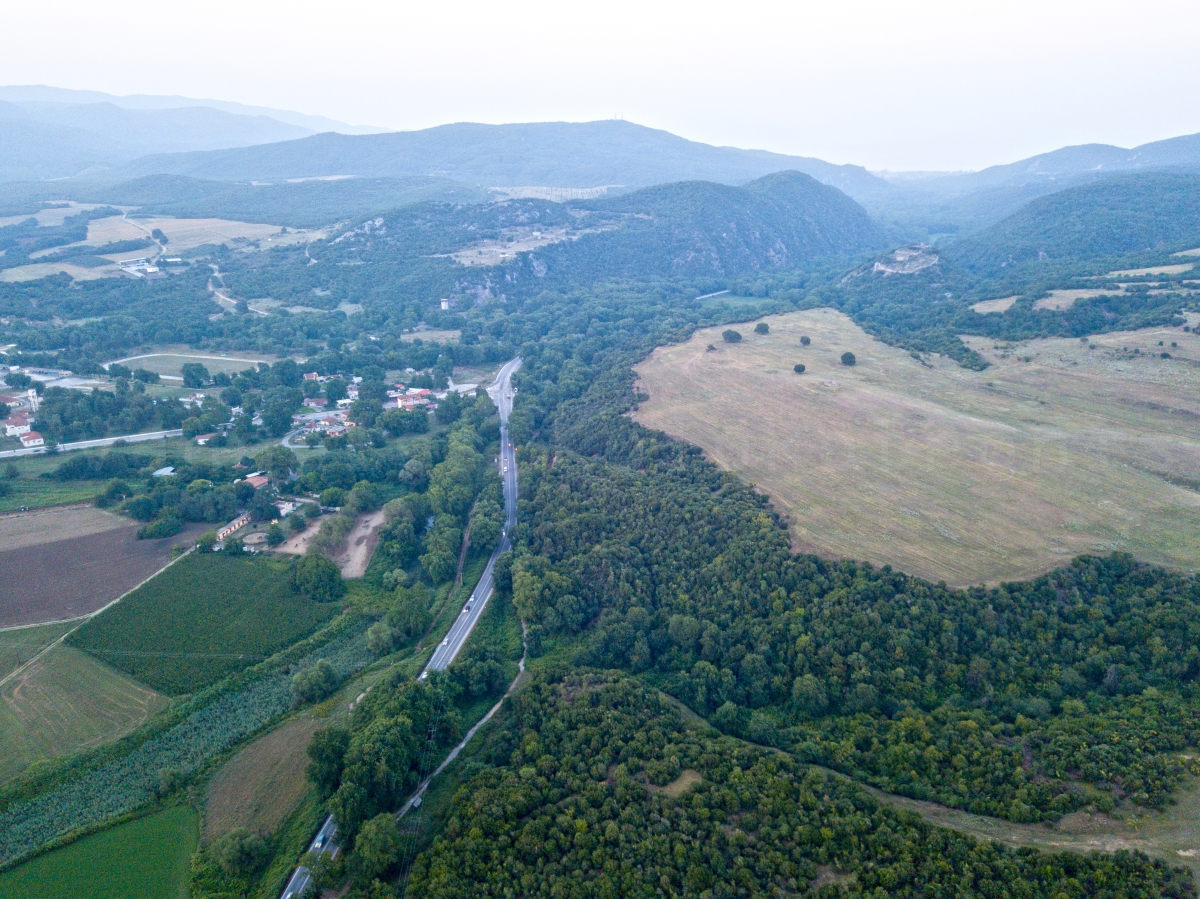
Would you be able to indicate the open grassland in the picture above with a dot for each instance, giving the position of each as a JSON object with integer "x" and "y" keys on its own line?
{"x": 432, "y": 336}
{"x": 66, "y": 701}
{"x": 203, "y": 618}
{"x": 148, "y": 858}
{"x": 986, "y": 307}
{"x": 943, "y": 472}
{"x": 73, "y": 569}
{"x": 261, "y": 785}
{"x": 182, "y": 234}
{"x": 44, "y": 269}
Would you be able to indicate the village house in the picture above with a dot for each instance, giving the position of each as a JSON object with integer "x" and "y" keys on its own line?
{"x": 32, "y": 439}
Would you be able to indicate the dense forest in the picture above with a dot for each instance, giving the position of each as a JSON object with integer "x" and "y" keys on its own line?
{"x": 596, "y": 786}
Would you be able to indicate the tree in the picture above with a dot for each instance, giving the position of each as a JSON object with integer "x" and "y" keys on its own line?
{"x": 380, "y": 638}
{"x": 317, "y": 578}
{"x": 335, "y": 389}
{"x": 762, "y": 328}
{"x": 731, "y": 336}
{"x": 275, "y": 534}
{"x": 206, "y": 541}
{"x": 848, "y": 358}
{"x": 378, "y": 846}
{"x": 805, "y": 340}
{"x": 314, "y": 683}
{"x": 158, "y": 235}
{"x": 194, "y": 375}
{"x": 239, "y": 852}
{"x": 277, "y": 461}
{"x": 798, "y": 368}
{"x": 326, "y": 754}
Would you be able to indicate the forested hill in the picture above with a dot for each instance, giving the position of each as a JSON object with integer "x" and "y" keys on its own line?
{"x": 1114, "y": 217}
{"x": 559, "y": 154}
{"x": 702, "y": 229}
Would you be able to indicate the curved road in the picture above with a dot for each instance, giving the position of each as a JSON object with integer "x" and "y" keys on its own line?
{"x": 501, "y": 392}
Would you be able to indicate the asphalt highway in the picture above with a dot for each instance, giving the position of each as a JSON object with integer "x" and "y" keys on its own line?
{"x": 501, "y": 392}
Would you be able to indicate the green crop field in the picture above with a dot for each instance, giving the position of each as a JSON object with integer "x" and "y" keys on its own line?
{"x": 19, "y": 644}
{"x": 147, "y": 858}
{"x": 201, "y": 619}
{"x": 64, "y": 702}
{"x": 1059, "y": 447}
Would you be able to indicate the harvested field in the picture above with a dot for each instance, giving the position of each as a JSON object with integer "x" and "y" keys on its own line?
{"x": 182, "y": 234}
{"x": 987, "y": 307}
{"x": 60, "y": 523}
{"x": 1154, "y": 270}
{"x": 44, "y": 269}
{"x": 432, "y": 336}
{"x": 80, "y": 573}
{"x": 361, "y": 542}
{"x": 260, "y": 786}
{"x": 943, "y": 472}
{"x": 67, "y": 701}
{"x": 1065, "y": 299}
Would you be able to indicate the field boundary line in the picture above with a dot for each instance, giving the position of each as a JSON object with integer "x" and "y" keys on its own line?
{"x": 83, "y": 619}
{"x": 22, "y": 627}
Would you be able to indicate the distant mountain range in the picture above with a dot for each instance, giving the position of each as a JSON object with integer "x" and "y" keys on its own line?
{"x": 84, "y": 139}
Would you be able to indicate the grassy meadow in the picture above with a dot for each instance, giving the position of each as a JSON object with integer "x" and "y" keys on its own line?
{"x": 1060, "y": 447}
{"x": 147, "y": 858}
{"x": 64, "y": 702}
{"x": 205, "y": 617}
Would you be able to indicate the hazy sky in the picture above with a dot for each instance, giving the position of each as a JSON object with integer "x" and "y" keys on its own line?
{"x": 917, "y": 85}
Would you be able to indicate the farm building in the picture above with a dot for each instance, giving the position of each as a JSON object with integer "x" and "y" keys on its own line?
{"x": 31, "y": 439}
{"x": 257, "y": 480}
{"x": 16, "y": 425}
{"x": 237, "y": 524}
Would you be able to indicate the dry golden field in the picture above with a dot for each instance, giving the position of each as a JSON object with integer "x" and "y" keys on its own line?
{"x": 987, "y": 307}
{"x": 950, "y": 474}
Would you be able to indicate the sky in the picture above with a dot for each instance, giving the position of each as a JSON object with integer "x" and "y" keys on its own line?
{"x": 922, "y": 85}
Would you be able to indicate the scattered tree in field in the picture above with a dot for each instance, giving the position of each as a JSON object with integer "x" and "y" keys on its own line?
{"x": 207, "y": 541}
{"x": 805, "y": 340}
{"x": 711, "y": 349}
{"x": 762, "y": 328}
{"x": 275, "y": 534}
{"x": 798, "y": 368}
{"x": 848, "y": 358}
{"x": 731, "y": 336}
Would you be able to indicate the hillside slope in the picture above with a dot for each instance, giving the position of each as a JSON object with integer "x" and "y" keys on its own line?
{"x": 559, "y": 154}
{"x": 1116, "y": 216}
{"x": 702, "y": 229}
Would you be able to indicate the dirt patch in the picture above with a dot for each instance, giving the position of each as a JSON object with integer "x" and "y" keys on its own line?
{"x": 354, "y": 559}
{"x": 259, "y": 786}
{"x": 826, "y": 874}
{"x": 297, "y": 544}
{"x": 67, "y": 578}
{"x": 40, "y": 526}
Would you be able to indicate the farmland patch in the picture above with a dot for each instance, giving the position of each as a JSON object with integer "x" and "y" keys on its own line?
{"x": 261, "y": 784}
{"x": 1059, "y": 448}
{"x": 80, "y": 573}
{"x": 986, "y": 307}
{"x": 203, "y": 618}
{"x": 148, "y": 858}
{"x": 66, "y": 701}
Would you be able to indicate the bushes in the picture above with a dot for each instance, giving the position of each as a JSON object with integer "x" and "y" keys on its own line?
{"x": 731, "y": 336}
{"x": 848, "y": 358}
{"x": 168, "y": 526}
